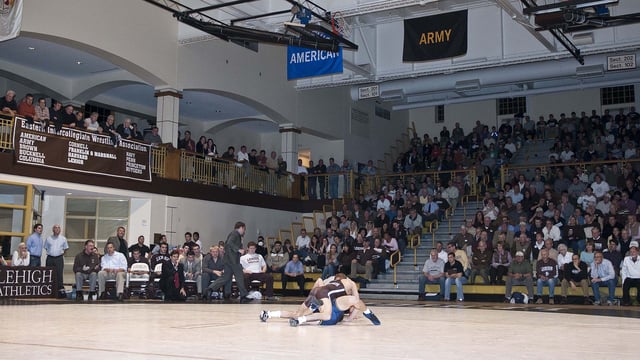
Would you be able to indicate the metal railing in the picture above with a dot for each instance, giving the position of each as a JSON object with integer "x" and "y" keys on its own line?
{"x": 158, "y": 160}
{"x": 6, "y": 132}
{"x": 365, "y": 184}
{"x": 187, "y": 166}
{"x": 414, "y": 244}
{"x": 394, "y": 259}
{"x": 215, "y": 171}
{"x": 328, "y": 186}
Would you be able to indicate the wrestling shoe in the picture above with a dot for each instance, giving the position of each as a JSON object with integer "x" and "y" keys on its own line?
{"x": 264, "y": 315}
{"x": 372, "y": 317}
{"x": 314, "y": 304}
{"x": 294, "y": 322}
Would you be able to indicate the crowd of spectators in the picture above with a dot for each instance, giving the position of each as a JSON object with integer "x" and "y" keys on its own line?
{"x": 567, "y": 227}
{"x": 59, "y": 115}
{"x": 68, "y": 116}
{"x": 485, "y": 148}
{"x": 273, "y": 163}
{"x": 120, "y": 262}
{"x": 320, "y": 181}
{"x": 591, "y": 137}
{"x": 540, "y": 221}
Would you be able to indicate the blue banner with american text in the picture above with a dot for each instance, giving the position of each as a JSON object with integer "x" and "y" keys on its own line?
{"x": 305, "y": 62}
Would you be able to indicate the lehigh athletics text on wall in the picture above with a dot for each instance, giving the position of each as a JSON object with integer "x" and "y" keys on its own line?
{"x": 24, "y": 281}
{"x": 435, "y": 37}
{"x": 82, "y": 151}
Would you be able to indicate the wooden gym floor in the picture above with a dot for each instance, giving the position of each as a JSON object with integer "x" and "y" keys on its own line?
{"x": 45, "y": 329}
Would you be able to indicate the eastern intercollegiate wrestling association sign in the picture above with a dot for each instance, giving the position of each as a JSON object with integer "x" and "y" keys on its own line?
{"x": 435, "y": 37}
{"x": 82, "y": 151}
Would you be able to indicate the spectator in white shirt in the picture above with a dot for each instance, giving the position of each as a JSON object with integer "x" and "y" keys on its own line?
{"x": 302, "y": 243}
{"x": 114, "y": 267}
{"x": 587, "y": 198}
{"x": 20, "y": 257}
{"x": 564, "y": 256}
{"x": 451, "y": 194}
{"x": 551, "y": 231}
{"x": 490, "y": 210}
{"x": 383, "y": 203}
{"x": 567, "y": 155}
{"x": 630, "y": 272}
{"x": 600, "y": 187}
{"x": 242, "y": 159}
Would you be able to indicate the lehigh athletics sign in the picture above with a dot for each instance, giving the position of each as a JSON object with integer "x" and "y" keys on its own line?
{"x": 27, "y": 282}
{"x": 435, "y": 37}
{"x": 77, "y": 150}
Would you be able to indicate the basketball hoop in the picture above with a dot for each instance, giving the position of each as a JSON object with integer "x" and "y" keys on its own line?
{"x": 339, "y": 25}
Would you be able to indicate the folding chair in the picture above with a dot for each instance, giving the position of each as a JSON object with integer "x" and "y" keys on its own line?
{"x": 137, "y": 283}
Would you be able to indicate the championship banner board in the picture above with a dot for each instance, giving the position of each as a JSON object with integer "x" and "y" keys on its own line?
{"x": 24, "y": 281}
{"x": 77, "y": 150}
{"x": 305, "y": 62}
{"x": 435, "y": 37}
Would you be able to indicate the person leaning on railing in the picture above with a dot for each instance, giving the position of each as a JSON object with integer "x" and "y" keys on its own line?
{"x": 42, "y": 111}
{"x": 8, "y": 103}
{"x": 26, "y": 108}
{"x": 153, "y": 138}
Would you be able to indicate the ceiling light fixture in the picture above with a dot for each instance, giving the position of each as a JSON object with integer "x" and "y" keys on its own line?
{"x": 575, "y": 4}
{"x": 31, "y": 48}
{"x": 78, "y": 62}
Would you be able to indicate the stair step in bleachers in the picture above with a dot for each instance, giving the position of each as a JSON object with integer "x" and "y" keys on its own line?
{"x": 408, "y": 270}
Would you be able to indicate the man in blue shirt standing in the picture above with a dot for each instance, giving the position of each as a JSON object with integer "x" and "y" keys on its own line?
{"x": 34, "y": 245}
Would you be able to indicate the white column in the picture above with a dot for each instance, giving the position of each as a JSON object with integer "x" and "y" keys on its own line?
{"x": 289, "y": 134}
{"x": 168, "y": 115}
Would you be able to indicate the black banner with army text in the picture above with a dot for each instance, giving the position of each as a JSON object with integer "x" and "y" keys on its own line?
{"x": 435, "y": 37}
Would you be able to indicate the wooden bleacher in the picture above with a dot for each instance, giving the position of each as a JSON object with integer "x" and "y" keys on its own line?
{"x": 292, "y": 285}
{"x": 478, "y": 289}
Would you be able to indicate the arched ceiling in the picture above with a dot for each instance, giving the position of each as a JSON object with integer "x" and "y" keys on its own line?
{"x": 77, "y": 66}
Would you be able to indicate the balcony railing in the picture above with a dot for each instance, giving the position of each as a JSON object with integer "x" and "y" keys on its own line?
{"x": 619, "y": 168}
{"x": 170, "y": 163}
{"x": 214, "y": 171}
{"x": 6, "y": 132}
